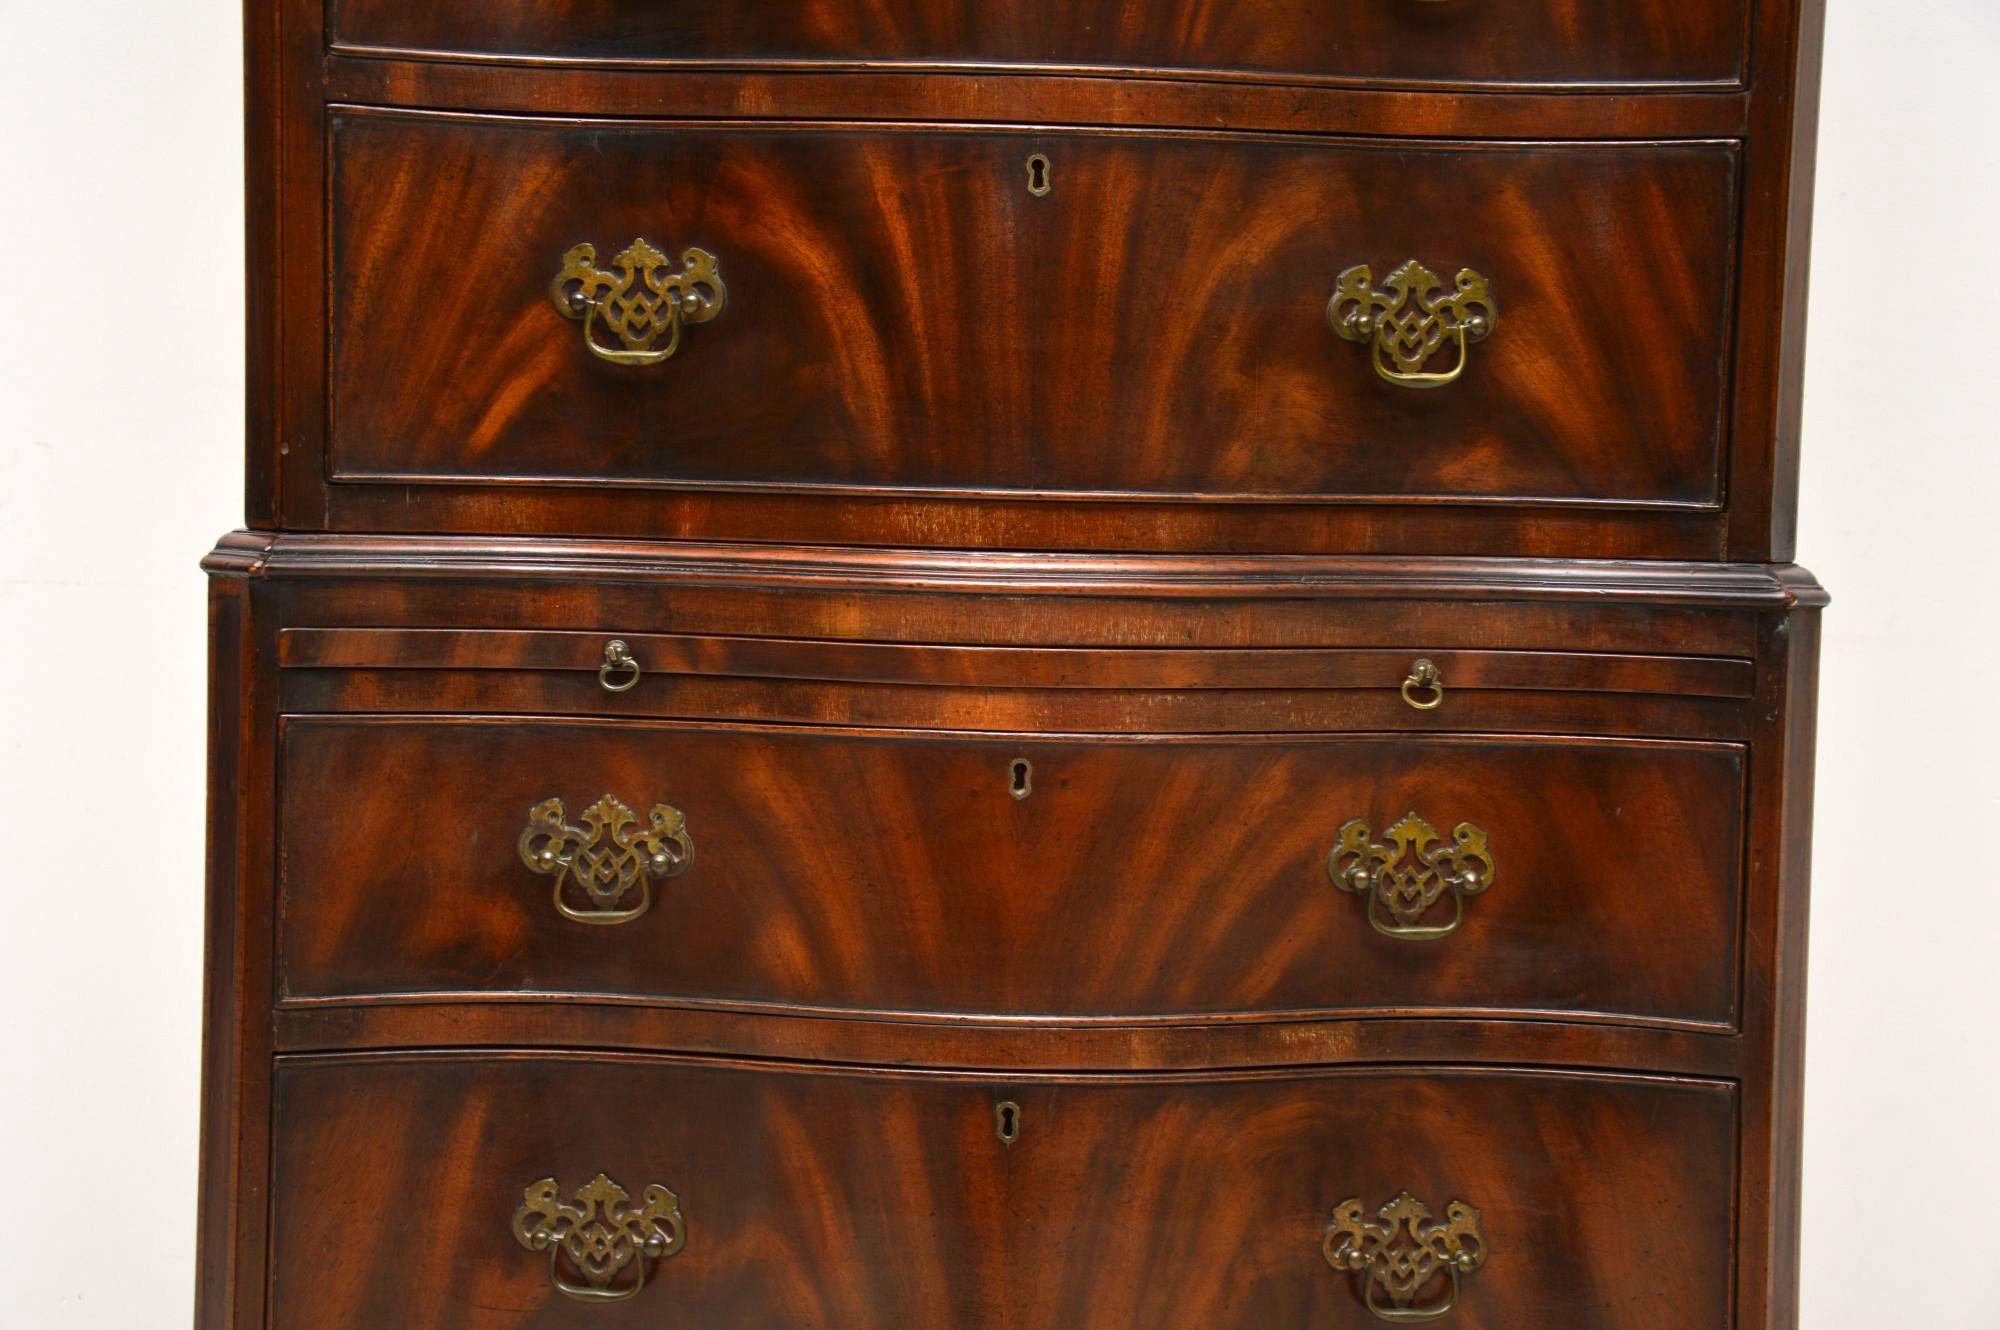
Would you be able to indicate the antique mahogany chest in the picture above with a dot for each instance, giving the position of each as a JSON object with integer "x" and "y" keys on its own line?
{"x": 1014, "y": 665}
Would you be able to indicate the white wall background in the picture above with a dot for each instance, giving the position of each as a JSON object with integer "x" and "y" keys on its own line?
{"x": 120, "y": 384}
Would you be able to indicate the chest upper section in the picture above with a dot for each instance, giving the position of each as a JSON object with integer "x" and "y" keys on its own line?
{"x": 1390, "y": 276}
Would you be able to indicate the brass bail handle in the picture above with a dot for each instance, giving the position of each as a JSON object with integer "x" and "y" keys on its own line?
{"x": 633, "y": 313}
{"x": 1424, "y": 689}
{"x": 1411, "y": 318}
{"x": 1401, "y": 1251}
{"x": 1408, "y": 873}
{"x": 601, "y": 1234}
{"x": 1410, "y": 1315}
{"x": 604, "y": 870}
{"x": 620, "y": 672}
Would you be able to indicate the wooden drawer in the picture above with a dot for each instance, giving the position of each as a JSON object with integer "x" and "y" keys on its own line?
{"x": 902, "y": 318}
{"x": 858, "y": 1199}
{"x": 1110, "y": 877}
{"x": 1390, "y": 41}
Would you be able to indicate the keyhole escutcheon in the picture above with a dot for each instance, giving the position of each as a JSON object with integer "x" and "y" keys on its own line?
{"x": 1021, "y": 778}
{"x": 1039, "y": 183}
{"x": 1007, "y": 1121}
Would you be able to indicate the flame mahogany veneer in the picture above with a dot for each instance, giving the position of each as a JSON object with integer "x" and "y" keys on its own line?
{"x": 1022, "y": 576}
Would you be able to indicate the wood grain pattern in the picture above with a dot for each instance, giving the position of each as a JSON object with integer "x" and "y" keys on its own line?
{"x": 881, "y": 335}
{"x": 901, "y": 95}
{"x": 857, "y": 1200}
{"x": 1008, "y": 667}
{"x": 965, "y": 476}
{"x": 1018, "y": 598}
{"x": 1001, "y": 1046}
{"x": 883, "y": 872}
{"x": 1010, "y": 710}
{"x": 1394, "y": 41}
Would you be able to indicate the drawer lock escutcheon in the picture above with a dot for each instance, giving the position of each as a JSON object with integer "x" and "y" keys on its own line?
{"x": 604, "y": 870}
{"x": 1405, "y": 875}
{"x": 1403, "y": 1253}
{"x": 1408, "y": 322}
{"x": 599, "y": 1247}
{"x": 633, "y": 313}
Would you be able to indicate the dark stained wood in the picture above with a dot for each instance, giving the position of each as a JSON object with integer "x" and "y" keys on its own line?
{"x": 1009, "y": 710}
{"x": 1654, "y": 585}
{"x": 890, "y": 95}
{"x": 999, "y": 1045}
{"x": 964, "y": 476}
{"x": 882, "y": 872}
{"x": 921, "y": 596}
{"x": 1187, "y": 354}
{"x": 1780, "y": 865}
{"x": 1772, "y": 117}
{"x": 329, "y": 581}
{"x": 1239, "y": 620}
{"x": 1783, "y": 140}
{"x": 1384, "y": 41}
{"x": 231, "y": 1227}
{"x": 1007, "y": 667}
{"x": 868, "y": 1199}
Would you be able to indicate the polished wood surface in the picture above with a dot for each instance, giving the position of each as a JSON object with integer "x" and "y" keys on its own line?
{"x": 904, "y": 315}
{"x": 1388, "y": 41}
{"x": 294, "y": 477}
{"x": 860, "y": 1199}
{"x": 966, "y": 477}
{"x": 336, "y": 901}
{"x": 1013, "y": 666}
{"x": 886, "y": 872}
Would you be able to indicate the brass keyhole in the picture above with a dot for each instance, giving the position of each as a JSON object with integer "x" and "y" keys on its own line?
{"x": 1007, "y": 1121}
{"x": 1021, "y": 778}
{"x": 1038, "y": 175}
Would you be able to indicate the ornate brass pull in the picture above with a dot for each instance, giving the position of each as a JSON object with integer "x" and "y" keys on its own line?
{"x": 1407, "y": 323}
{"x": 1406, "y": 877}
{"x": 1403, "y": 1251}
{"x": 1424, "y": 678}
{"x": 641, "y": 300}
{"x": 601, "y": 1235}
{"x": 619, "y": 673}
{"x": 607, "y": 859}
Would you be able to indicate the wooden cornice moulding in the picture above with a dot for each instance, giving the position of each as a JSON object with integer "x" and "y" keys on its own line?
{"x": 1722, "y": 585}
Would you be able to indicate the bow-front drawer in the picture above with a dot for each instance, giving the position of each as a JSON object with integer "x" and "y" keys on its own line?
{"x": 436, "y": 1192}
{"x": 1464, "y": 42}
{"x": 1109, "y": 877}
{"x": 836, "y": 313}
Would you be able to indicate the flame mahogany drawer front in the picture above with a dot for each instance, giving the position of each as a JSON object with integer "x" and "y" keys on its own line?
{"x": 1389, "y": 41}
{"x": 1130, "y": 876}
{"x": 461, "y": 1193}
{"x": 910, "y": 312}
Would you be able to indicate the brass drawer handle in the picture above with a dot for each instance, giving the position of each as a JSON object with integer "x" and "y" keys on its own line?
{"x": 1404, "y": 878}
{"x": 1409, "y": 321}
{"x": 1403, "y": 1251}
{"x": 605, "y": 861}
{"x": 620, "y": 672}
{"x": 602, "y": 1236}
{"x": 641, "y": 300}
{"x": 1424, "y": 678}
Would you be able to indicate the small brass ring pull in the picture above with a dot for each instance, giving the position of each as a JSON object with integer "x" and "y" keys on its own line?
{"x": 1405, "y": 875}
{"x": 604, "y": 870}
{"x": 1408, "y": 322}
{"x": 634, "y": 312}
{"x": 620, "y": 672}
{"x": 1425, "y": 679}
{"x": 1402, "y": 1253}
{"x": 598, "y": 1236}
